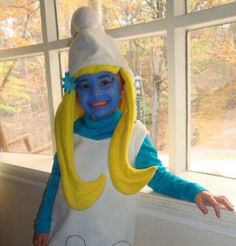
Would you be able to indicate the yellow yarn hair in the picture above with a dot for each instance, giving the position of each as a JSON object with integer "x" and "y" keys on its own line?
{"x": 81, "y": 194}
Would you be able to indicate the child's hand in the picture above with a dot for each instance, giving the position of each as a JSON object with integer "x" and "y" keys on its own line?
{"x": 217, "y": 202}
{"x": 40, "y": 239}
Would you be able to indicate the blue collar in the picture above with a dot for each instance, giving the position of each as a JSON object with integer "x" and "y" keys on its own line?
{"x": 97, "y": 128}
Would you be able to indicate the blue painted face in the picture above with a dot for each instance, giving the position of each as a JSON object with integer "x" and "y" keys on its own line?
{"x": 99, "y": 94}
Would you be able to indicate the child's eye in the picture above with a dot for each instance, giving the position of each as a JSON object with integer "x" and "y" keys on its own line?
{"x": 83, "y": 85}
{"x": 105, "y": 82}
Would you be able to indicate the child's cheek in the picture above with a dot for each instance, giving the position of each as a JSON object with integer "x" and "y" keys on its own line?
{"x": 82, "y": 99}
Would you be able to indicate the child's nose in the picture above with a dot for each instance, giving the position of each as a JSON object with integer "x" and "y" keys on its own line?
{"x": 96, "y": 90}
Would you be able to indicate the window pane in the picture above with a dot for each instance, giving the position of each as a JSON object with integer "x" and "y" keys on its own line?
{"x": 130, "y": 12}
{"x": 20, "y": 23}
{"x": 197, "y": 5}
{"x": 213, "y": 100}
{"x": 24, "y": 115}
{"x": 65, "y": 10}
{"x": 122, "y": 12}
{"x": 64, "y": 62}
{"x": 147, "y": 59}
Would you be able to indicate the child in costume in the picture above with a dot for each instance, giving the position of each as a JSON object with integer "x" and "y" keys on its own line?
{"x": 104, "y": 156}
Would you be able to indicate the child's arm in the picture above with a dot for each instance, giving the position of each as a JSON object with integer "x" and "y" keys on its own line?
{"x": 171, "y": 185}
{"x": 43, "y": 220}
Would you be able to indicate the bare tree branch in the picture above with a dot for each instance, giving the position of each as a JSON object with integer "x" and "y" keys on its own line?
{"x": 8, "y": 73}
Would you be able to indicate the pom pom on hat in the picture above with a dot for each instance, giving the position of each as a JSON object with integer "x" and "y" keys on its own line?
{"x": 90, "y": 44}
{"x": 84, "y": 17}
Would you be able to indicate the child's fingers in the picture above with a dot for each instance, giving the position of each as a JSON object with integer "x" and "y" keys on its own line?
{"x": 205, "y": 198}
{"x": 217, "y": 202}
{"x": 224, "y": 201}
{"x": 44, "y": 241}
{"x": 40, "y": 239}
{"x": 203, "y": 208}
{"x": 213, "y": 202}
{"x": 41, "y": 242}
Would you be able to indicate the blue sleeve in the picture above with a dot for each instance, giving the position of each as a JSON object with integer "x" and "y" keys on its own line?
{"x": 163, "y": 181}
{"x": 43, "y": 219}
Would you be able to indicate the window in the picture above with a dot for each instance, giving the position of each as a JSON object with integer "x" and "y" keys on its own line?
{"x": 147, "y": 59}
{"x": 20, "y": 23}
{"x": 24, "y": 125}
{"x": 213, "y": 100}
{"x": 64, "y": 62}
{"x": 198, "y": 5}
{"x": 170, "y": 53}
{"x": 122, "y": 12}
{"x": 25, "y": 104}
{"x": 65, "y": 9}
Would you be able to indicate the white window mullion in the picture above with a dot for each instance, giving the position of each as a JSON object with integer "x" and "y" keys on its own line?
{"x": 176, "y": 60}
{"x": 139, "y": 30}
{"x": 14, "y": 53}
{"x": 208, "y": 17}
{"x": 49, "y": 29}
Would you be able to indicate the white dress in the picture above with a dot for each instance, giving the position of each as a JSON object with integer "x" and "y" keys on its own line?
{"x": 111, "y": 220}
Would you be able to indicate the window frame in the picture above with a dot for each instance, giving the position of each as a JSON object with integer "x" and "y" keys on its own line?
{"x": 174, "y": 26}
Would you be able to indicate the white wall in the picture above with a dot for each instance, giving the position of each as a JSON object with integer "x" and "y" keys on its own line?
{"x": 162, "y": 232}
{"x": 161, "y": 221}
{"x": 19, "y": 201}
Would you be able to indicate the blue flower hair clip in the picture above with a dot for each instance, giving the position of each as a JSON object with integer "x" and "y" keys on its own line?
{"x": 69, "y": 83}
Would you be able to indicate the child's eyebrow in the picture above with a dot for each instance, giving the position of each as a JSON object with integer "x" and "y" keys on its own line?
{"x": 104, "y": 76}
{"x": 80, "y": 80}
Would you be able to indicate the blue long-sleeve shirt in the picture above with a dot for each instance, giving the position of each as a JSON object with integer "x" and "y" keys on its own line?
{"x": 162, "y": 182}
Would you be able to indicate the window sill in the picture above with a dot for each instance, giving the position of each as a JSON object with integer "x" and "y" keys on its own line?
{"x": 26, "y": 168}
{"x": 36, "y": 162}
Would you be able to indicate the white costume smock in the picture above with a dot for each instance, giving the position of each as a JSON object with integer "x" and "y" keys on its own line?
{"x": 111, "y": 220}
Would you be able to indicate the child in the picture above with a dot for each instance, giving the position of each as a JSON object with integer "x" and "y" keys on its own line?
{"x": 104, "y": 156}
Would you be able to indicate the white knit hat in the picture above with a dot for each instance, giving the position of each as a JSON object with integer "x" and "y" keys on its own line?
{"x": 90, "y": 44}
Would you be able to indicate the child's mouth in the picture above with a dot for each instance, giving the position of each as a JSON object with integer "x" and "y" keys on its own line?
{"x": 99, "y": 104}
